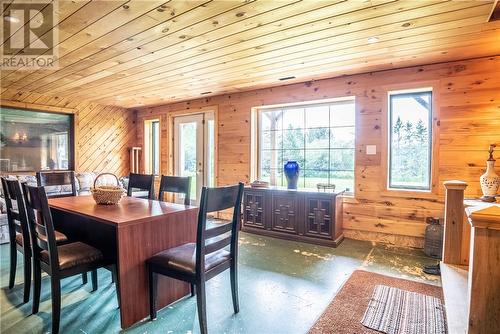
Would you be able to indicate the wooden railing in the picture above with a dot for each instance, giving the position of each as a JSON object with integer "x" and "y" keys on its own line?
{"x": 472, "y": 237}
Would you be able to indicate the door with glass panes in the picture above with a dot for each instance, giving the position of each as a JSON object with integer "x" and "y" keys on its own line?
{"x": 194, "y": 150}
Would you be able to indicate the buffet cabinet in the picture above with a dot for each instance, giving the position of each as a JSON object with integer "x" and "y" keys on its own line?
{"x": 300, "y": 215}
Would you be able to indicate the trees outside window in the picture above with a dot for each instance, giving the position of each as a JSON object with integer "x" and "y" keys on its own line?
{"x": 320, "y": 137}
{"x": 410, "y": 118}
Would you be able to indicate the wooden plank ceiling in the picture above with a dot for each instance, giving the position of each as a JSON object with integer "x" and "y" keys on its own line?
{"x": 137, "y": 53}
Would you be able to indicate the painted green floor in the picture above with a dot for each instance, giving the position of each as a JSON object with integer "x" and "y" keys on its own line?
{"x": 284, "y": 287}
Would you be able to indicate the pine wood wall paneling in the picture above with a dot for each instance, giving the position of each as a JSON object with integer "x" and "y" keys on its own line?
{"x": 469, "y": 94}
{"x": 103, "y": 134}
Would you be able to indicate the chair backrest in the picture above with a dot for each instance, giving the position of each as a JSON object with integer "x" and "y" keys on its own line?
{"x": 142, "y": 182}
{"x": 59, "y": 178}
{"x": 175, "y": 184}
{"x": 41, "y": 225}
{"x": 216, "y": 238}
{"x": 16, "y": 217}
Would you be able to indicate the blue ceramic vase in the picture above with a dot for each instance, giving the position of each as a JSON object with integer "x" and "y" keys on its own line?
{"x": 291, "y": 170}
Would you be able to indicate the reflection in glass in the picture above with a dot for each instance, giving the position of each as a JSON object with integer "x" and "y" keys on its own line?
{"x": 32, "y": 140}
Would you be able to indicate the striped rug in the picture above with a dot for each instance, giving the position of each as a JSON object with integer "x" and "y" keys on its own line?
{"x": 395, "y": 311}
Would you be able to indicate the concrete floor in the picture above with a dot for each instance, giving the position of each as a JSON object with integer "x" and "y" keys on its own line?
{"x": 284, "y": 287}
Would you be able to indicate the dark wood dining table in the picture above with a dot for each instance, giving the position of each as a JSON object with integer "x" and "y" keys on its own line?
{"x": 130, "y": 232}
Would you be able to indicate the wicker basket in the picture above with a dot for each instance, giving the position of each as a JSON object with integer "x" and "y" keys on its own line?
{"x": 107, "y": 195}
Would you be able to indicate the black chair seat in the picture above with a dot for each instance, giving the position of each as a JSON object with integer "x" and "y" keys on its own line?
{"x": 60, "y": 238}
{"x": 74, "y": 254}
{"x": 183, "y": 258}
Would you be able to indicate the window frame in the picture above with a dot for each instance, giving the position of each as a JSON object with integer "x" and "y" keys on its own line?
{"x": 410, "y": 93}
{"x": 411, "y": 87}
{"x": 256, "y": 152}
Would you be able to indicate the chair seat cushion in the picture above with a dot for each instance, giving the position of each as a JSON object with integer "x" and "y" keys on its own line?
{"x": 60, "y": 238}
{"x": 74, "y": 254}
{"x": 183, "y": 258}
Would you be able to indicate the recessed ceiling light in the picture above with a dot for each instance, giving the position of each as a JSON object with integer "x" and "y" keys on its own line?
{"x": 373, "y": 39}
{"x": 12, "y": 19}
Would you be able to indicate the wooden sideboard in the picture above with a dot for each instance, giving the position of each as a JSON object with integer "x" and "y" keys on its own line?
{"x": 471, "y": 263}
{"x": 299, "y": 215}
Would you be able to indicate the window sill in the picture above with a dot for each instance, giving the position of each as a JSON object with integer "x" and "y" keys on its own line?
{"x": 349, "y": 198}
{"x": 409, "y": 194}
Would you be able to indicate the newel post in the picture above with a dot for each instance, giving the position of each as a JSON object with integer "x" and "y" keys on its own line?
{"x": 455, "y": 243}
{"x": 484, "y": 270}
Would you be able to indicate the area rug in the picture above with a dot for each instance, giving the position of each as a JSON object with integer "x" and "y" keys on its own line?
{"x": 345, "y": 312}
{"x": 395, "y": 311}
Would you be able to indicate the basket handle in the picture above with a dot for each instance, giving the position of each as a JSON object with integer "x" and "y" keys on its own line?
{"x": 98, "y": 176}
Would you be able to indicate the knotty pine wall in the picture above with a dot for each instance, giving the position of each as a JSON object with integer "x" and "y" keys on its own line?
{"x": 103, "y": 134}
{"x": 468, "y": 95}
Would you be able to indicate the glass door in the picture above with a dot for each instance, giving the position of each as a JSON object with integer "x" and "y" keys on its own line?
{"x": 194, "y": 150}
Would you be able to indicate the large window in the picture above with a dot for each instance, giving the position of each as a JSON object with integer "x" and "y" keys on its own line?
{"x": 410, "y": 119}
{"x": 32, "y": 140}
{"x": 320, "y": 137}
{"x": 152, "y": 146}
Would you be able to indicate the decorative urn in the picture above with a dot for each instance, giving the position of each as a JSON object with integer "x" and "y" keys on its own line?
{"x": 490, "y": 181}
{"x": 291, "y": 170}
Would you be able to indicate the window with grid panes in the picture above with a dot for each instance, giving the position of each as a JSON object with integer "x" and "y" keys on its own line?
{"x": 320, "y": 137}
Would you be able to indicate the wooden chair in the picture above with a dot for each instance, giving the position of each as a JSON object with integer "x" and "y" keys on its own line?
{"x": 142, "y": 182}
{"x": 175, "y": 184}
{"x": 198, "y": 262}
{"x": 59, "y": 178}
{"x": 58, "y": 261}
{"x": 19, "y": 233}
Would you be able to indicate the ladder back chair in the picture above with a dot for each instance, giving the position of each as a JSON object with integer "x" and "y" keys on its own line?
{"x": 58, "y": 261}
{"x": 198, "y": 262}
{"x": 142, "y": 182}
{"x": 59, "y": 178}
{"x": 51, "y": 179}
{"x": 19, "y": 236}
{"x": 176, "y": 185}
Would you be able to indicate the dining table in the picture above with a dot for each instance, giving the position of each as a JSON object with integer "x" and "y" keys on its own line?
{"x": 129, "y": 233}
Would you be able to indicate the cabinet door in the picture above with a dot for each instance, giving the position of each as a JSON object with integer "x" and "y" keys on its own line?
{"x": 319, "y": 216}
{"x": 285, "y": 213}
{"x": 254, "y": 209}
